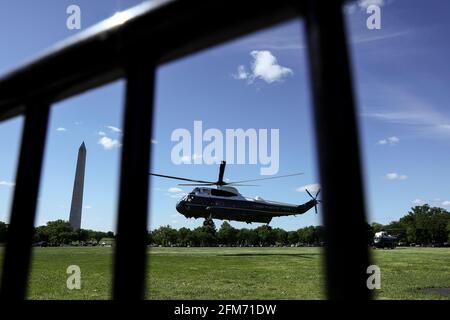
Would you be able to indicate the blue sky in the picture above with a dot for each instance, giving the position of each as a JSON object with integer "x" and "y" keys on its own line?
{"x": 260, "y": 81}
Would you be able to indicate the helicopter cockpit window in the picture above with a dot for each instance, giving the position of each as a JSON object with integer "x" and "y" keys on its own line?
{"x": 202, "y": 191}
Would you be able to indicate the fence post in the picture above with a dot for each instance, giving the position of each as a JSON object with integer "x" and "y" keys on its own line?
{"x": 131, "y": 246}
{"x": 21, "y": 227}
{"x": 346, "y": 251}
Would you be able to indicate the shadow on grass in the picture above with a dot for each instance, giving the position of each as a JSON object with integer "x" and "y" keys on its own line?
{"x": 444, "y": 291}
{"x": 301, "y": 255}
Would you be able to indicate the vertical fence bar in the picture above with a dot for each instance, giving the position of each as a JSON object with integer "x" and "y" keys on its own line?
{"x": 20, "y": 230}
{"x": 130, "y": 255}
{"x": 346, "y": 251}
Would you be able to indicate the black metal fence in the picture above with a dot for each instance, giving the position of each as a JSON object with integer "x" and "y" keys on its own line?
{"x": 132, "y": 47}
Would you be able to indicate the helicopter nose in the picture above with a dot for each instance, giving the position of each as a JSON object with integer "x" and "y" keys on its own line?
{"x": 181, "y": 206}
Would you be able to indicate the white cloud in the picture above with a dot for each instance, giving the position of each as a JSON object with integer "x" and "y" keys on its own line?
{"x": 392, "y": 141}
{"x": 7, "y": 184}
{"x": 446, "y": 203}
{"x": 314, "y": 187}
{"x": 418, "y": 201}
{"x": 391, "y": 176}
{"x": 109, "y": 143}
{"x": 102, "y": 133}
{"x": 364, "y": 38}
{"x": 114, "y": 129}
{"x": 396, "y": 176}
{"x": 61, "y": 129}
{"x": 265, "y": 67}
{"x": 175, "y": 190}
{"x": 409, "y": 111}
{"x": 242, "y": 73}
{"x": 154, "y": 141}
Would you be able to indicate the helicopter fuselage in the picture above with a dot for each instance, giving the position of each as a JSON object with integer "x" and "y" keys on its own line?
{"x": 227, "y": 203}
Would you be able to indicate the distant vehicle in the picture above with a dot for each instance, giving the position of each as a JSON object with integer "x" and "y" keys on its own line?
{"x": 226, "y": 203}
{"x": 384, "y": 240}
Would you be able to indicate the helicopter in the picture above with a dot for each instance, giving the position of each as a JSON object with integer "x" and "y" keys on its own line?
{"x": 383, "y": 239}
{"x": 226, "y": 203}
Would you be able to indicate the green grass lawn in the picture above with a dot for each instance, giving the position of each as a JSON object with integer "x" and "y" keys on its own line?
{"x": 235, "y": 273}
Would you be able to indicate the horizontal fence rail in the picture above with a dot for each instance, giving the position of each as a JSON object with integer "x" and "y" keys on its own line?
{"x": 169, "y": 29}
{"x": 131, "y": 45}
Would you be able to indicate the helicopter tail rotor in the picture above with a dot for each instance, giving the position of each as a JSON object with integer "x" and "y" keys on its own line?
{"x": 314, "y": 198}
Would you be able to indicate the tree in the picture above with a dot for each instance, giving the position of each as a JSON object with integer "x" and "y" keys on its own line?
{"x": 56, "y": 233}
{"x": 398, "y": 229}
{"x": 149, "y": 237}
{"x": 377, "y": 227}
{"x": 292, "y": 237}
{"x": 306, "y": 235}
{"x": 370, "y": 233}
{"x": 438, "y": 225}
{"x": 184, "y": 237}
{"x": 265, "y": 236}
{"x": 319, "y": 234}
{"x": 280, "y": 236}
{"x": 247, "y": 237}
{"x": 227, "y": 234}
{"x": 448, "y": 230}
{"x": 205, "y": 236}
{"x": 165, "y": 236}
{"x": 3, "y": 231}
{"x": 426, "y": 225}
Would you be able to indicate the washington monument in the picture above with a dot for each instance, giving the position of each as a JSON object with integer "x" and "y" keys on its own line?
{"x": 77, "y": 195}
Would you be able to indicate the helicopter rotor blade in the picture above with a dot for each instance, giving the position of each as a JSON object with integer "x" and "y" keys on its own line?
{"x": 221, "y": 172}
{"x": 179, "y": 178}
{"x": 243, "y": 185}
{"x": 309, "y": 193}
{"x": 276, "y": 177}
{"x": 317, "y": 194}
{"x": 196, "y": 184}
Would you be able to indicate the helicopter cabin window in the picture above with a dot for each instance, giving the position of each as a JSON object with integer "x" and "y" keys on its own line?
{"x": 221, "y": 193}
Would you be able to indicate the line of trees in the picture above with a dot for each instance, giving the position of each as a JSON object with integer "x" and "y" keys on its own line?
{"x": 230, "y": 236}
{"x": 60, "y": 232}
{"x": 423, "y": 225}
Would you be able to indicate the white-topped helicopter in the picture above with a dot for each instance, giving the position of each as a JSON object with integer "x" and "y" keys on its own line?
{"x": 226, "y": 203}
